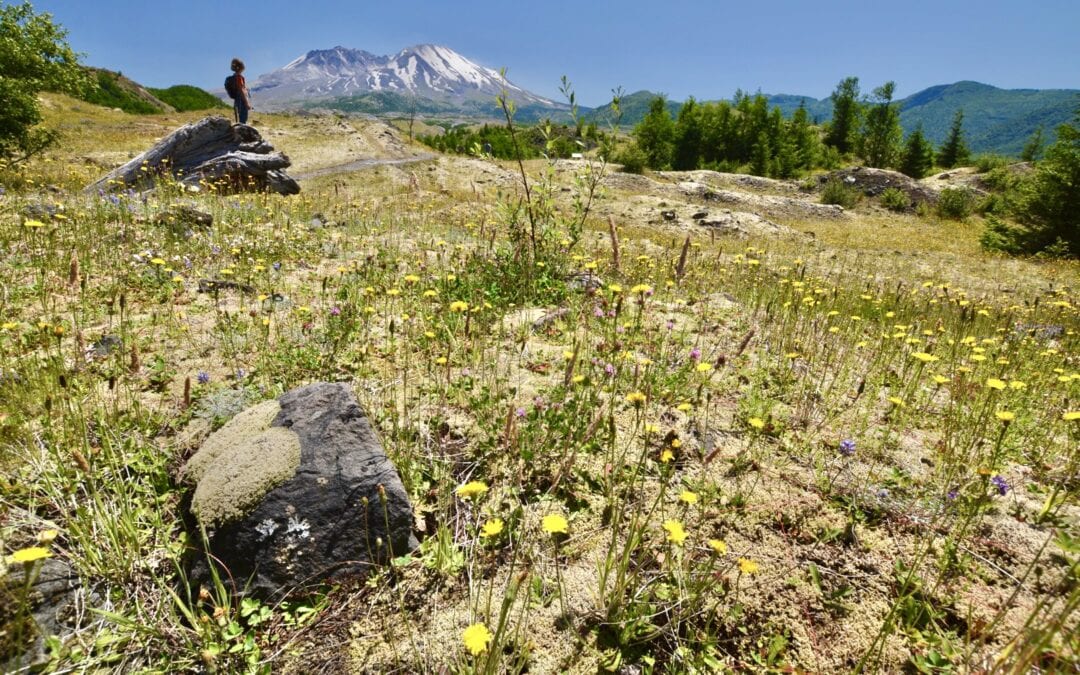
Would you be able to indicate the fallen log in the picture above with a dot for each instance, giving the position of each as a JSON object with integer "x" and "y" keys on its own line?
{"x": 213, "y": 151}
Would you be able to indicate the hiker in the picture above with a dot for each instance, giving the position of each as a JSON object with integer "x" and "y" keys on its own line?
{"x": 236, "y": 88}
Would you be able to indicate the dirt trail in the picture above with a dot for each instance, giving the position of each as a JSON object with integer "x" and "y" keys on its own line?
{"x": 361, "y": 164}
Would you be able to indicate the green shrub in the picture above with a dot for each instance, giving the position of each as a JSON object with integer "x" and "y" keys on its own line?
{"x": 955, "y": 203}
{"x": 895, "y": 199}
{"x": 835, "y": 192}
{"x": 989, "y": 162}
{"x": 632, "y": 158}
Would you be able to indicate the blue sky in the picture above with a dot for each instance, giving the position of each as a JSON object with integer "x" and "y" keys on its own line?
{"x": 703, "y": 48}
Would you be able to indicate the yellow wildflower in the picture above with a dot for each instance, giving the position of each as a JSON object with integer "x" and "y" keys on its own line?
{"x": 471, "y": 489}
{"x": 553, "y": 523}
{"x": 675, "y": 532}
{"x": 718, "y": 546}
{"x": 747, "y": 566}
{"x": 476, "y": 638}
{"x": 492, "y": 528}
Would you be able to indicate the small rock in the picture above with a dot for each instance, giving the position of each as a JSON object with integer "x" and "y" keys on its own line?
{"x": 667, "y": 215}
{"x": 700, "y": 215}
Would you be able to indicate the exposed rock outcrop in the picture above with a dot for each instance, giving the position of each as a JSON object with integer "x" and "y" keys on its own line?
{"x": 297, "y": 492}
{"x": 233, "y": 157}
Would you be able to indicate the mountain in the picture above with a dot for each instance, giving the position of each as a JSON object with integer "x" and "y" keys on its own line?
{"x": 424, "y": 76}
{"x": 995, "y": 120}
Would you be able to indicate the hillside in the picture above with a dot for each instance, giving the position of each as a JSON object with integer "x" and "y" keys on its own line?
{"x": 186, "y": 98}
{"x": 113, "y": 90}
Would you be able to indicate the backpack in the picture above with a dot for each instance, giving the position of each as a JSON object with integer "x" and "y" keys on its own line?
{"x": 230, "y": 86}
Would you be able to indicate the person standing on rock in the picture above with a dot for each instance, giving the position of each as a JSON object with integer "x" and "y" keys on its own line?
{"x": 242, "y": 98}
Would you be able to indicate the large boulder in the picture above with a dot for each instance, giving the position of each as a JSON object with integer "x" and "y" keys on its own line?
{"x": 296, "y": 492}
{"x": 232, "y": 157}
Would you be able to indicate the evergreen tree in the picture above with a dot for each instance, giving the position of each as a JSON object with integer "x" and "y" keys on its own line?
{"x": 761, "y": 161}
{"x": 846, "y": 112}
{"x": 918, "y": 157}
{"x": 882, "y": 135}
{"x": 954, "y": 151}
{"x": 688, "y": 136}
{"x": 1052, "y": 204}
{"x": 805, "y": 138}
{"x": 655, "y": 135}
{"x": 1033, "y": 149}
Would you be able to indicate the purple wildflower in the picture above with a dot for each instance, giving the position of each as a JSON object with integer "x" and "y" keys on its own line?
{"x": 203, "y": 377}
{"x": 335, "y": 311}
{"x": 847, "y": 447}
{"x": 695, "y": 354}
{"x": 609, "y": 369}
{"x": 951, "y": 495}
{"x": 1001, "y": 484}
{"x": 520, "y": 412}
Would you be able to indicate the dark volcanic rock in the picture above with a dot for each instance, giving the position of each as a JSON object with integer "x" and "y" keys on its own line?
{"x": 233, "y": 157}
{"x": 56, "y": 596}
{"x": 297, "y": 492}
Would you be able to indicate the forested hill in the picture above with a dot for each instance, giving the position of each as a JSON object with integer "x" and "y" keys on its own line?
{"x": 995, "y": 120}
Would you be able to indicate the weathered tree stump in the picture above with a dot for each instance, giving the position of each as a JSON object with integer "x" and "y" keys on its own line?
{"x": 232, "y": 157}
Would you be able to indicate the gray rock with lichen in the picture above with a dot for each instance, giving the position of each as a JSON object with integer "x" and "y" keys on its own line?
{"x": 289, "y": 494}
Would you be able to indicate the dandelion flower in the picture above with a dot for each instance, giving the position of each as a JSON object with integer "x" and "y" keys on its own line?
{"x": 995, "y": 383}
{"x": 924, "y": 357}
{"x": 896, "y": 401}
{"x": 1005, "y": 415}
{"x": 1071, "y": 416}
{"x": 704, "y": 367}
{"x": 636, "y": 397}
{"x": 472, "y": 489}
{"x": 666, "y": 456}
{"x": 756, "y": 423}
{"x": 492, "y": 528}
{"x": 476, "y": 638}
{"x": 718, "y": 546}
{"x": 747, "y": 566}
{"x": 676, "y": 534}
{"x": 688, "y": 497}
{"x": 684, "y": 407}
{"x": 459, "y": 306}
{"x": 29, "y": 555}
{"x": 553, "y": 523}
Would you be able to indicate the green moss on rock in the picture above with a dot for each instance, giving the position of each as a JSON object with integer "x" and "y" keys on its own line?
{"x": 239, "y": 464}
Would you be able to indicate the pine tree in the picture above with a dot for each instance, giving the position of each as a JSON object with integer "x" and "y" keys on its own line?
{"x": 688, "y": 135}
{"x": 846, "y": 111}
{"x": 805, "y": 138}
{"x": 918, "y": 157}
{"x": 655, "y": 135}
{"x": 954, "y": 151}
{"x": 881, "y": 132}
{"x": 761, "y": 161}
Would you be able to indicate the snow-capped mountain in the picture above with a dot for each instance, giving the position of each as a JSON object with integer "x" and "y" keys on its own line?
{"x": 428, "y": 72}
